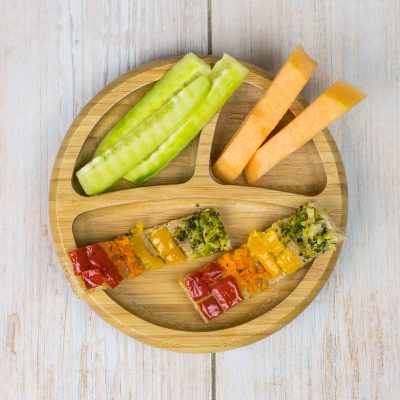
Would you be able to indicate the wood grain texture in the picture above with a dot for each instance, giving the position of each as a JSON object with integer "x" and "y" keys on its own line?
{"x": 346, "y": 344}
{"x": 153, "y": 308}
{"x": 54, "y": 57}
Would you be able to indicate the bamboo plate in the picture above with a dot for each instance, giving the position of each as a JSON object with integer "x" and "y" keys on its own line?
{"x": 153, "y": 308}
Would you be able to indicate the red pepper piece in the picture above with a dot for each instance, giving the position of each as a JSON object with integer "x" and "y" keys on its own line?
{"x": 210, "y": 308}
{"x": 212, "y": 272}
{"x": 92, "y": 278}
{"x": 99, "y": 259}
{"x": 196, "y": 285}
{"x": 227, "y": 293}
{"x": 79, "y": 260}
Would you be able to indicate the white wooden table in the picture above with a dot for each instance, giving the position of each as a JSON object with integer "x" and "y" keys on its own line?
{"x": 54, "y": 56}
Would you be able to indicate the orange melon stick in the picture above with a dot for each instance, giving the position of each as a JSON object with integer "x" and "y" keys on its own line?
{"x": 332, "y": 104}
{"x": 265, "y": 115}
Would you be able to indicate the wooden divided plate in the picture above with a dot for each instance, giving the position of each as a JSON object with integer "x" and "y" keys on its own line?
{"x": 153, "y": 308}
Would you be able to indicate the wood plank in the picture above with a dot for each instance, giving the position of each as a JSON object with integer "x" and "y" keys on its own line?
{"x": 346, "y": 344}
{"x": 54, "y": 56}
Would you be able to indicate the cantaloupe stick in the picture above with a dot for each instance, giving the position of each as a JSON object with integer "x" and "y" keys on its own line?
{"x": 265, "y": 115}
{"x": 332, "y": 104}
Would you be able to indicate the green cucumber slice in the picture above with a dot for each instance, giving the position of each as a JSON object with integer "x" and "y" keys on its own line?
{"x": 180, "y": 75}
{"x": 227, "y": 75}
{"x": 104, "y": 170}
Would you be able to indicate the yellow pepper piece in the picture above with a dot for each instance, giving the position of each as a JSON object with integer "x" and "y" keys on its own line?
{"x": 166, "y": 247}
{"x": 289, "y": 261}
{"x": 274, "y": 245}
{"x": 141, "y": 251}
{"x": 258, "y": 249}
{"x": 255, "y": 243}
{"x": 138, "y": 229}
{"x": 268, "y": 262}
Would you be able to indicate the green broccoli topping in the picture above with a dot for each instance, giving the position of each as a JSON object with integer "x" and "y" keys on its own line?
{"x": 205, "y": 233}
{"x": 307, "y": 229}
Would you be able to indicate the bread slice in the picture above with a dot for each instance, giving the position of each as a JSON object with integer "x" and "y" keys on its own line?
{"x": 295, "y": 242}
{"x": 78, "y": 285}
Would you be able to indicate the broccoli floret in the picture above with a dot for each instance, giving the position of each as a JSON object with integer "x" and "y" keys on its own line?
{"x": 308, "y": 230}
{"x": 205, "y": 233}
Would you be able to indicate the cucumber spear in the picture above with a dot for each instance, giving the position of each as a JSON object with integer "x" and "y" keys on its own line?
{"x": 104, "y": 170}
{"x": 226, "y": 76}
{"x": 180, "y": 75}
